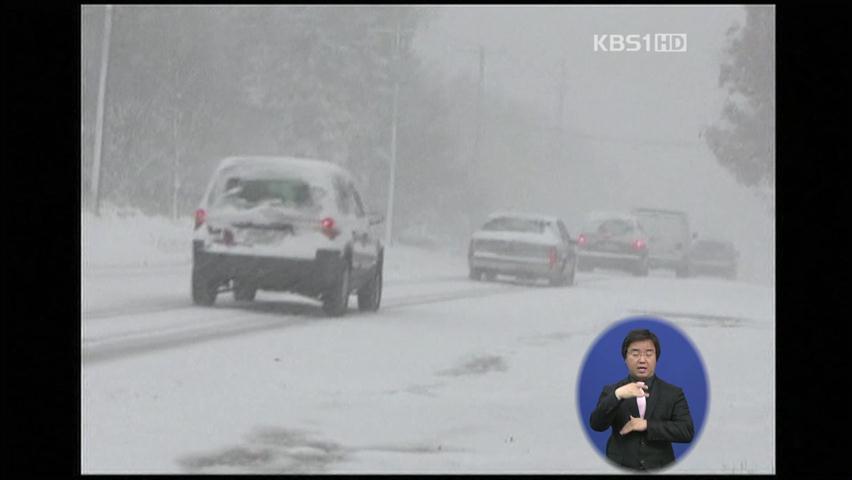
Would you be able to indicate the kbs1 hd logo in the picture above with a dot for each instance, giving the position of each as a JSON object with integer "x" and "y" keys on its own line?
{"x": 656, "y": 43}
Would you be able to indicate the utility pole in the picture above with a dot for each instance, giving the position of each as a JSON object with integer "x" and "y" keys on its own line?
{"x": 396, "y": 73}
{"x": 475, "y": 202}
{"x": 560, "y": 109}
{"x": 177, "y": 105}
{"x": 99, "y": 123}
{"x": 392, "y": 183}
{"x": 480, "y": 92}
{"x": 176, "y": 158}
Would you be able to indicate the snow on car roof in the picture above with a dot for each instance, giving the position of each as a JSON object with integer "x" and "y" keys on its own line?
{"x": 299, "y": 166}
{"x": 639, "y": 210}
{"x": 524, "y": 215}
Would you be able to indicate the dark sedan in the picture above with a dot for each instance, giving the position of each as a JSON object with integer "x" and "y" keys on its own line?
{"x": 613, "y": 240}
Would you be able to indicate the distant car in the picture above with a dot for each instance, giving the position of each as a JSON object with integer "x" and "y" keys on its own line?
{"x": 524, "y": 246}
{"x": 286, "y": 224}
{"x": 613, "y": 240}
{"x": 714, "y": 257}
{"x": 669, "y": 238}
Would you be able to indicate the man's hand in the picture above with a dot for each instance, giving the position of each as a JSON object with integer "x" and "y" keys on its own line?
{"x": 634, "y": 425}
{"x": 630, "y": 390}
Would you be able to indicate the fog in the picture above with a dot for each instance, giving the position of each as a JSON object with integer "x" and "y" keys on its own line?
{"x": 188, "y": 86}
{"x": 632, "y": 121}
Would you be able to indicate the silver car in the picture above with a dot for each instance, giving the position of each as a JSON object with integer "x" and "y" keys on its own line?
{"x": 286, "y": 224}
{"x": 525, "y": 246}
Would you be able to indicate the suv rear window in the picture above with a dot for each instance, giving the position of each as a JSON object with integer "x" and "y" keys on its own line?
{"x": 664, "y": 225}
{"x": 508, "y": 224}
{"x": 609, "y": 226}
{"x": 243, "y": 193}
{"x": 712, "y": 247}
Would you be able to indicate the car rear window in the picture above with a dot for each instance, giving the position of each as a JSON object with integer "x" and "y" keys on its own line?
{"x": 508, "y": 224}
{"x": 242, "y": 193}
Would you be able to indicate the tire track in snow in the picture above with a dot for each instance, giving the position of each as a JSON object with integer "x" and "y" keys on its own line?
{"x": 138, "y": 308}
{"x": 258, "y": 316}
{"x": 163, "y": 304}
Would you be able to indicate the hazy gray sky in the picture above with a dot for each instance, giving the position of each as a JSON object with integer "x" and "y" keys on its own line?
{"x": 665, "y": 96}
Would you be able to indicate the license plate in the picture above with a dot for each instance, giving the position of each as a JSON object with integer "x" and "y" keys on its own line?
{"x": 610, "y": 247}
{"x": 264, "y": 237}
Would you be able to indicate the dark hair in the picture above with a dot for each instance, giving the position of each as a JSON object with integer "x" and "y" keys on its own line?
{"x": 637, "y": 336}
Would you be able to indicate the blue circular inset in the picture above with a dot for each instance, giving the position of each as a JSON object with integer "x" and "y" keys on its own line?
{"x": 679, "y": 364}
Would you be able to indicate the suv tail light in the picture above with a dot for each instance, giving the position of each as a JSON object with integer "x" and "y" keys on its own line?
{"x": 200, "y": 217}
{"x": 638, "y": 244}
{"x": 552, "y": 257}
{"x": 582, "y": 240}
{"x": 329, "y": 228}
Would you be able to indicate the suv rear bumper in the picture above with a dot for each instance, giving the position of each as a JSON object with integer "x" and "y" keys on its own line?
{"x": 713, "y": 267}
{"x": 667, "y": 262}
{"x": 303, "y": 276}
{"x": 608, "y": 260}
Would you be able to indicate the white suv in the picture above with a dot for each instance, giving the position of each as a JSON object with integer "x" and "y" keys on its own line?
{"x": 286, "y": 224}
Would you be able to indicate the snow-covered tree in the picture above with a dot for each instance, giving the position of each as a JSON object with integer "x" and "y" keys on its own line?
{"x": 743, "y": 140}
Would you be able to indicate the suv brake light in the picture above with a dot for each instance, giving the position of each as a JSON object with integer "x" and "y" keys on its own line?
{"x": 551, "y": 257}
{"x": 582, "y": 240}
{"x": 638, "y": 244}
{"x": 200, "y": 217}
{"x": 328, "y": 228}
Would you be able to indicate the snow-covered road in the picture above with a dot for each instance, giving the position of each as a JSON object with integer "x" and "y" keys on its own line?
{"x": 450, "y": 375}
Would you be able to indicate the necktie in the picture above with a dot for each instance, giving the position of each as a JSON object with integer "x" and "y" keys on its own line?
{"x": 641, "y": 402}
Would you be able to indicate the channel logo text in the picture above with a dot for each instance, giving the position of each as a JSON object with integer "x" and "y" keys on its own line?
{"x": 635, "y": 42}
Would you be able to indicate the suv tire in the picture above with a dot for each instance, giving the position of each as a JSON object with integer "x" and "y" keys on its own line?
{"x": 558, "y": 279}
{"x": 370, "y": 295}
{"x": 569, "y": 279}
{"x": 336, "y": 300}
{"x": 641, "y": 267}
{"x": 566, "y": 276}
{"x": 244, "y": 292}
{"x": 204, "y": 288}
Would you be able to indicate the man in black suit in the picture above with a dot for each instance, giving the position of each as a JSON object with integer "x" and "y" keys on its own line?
{"x": 645, "y": 413}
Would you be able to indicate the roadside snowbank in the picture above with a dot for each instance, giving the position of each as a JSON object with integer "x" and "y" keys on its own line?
{"x": 126, "y": 237}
